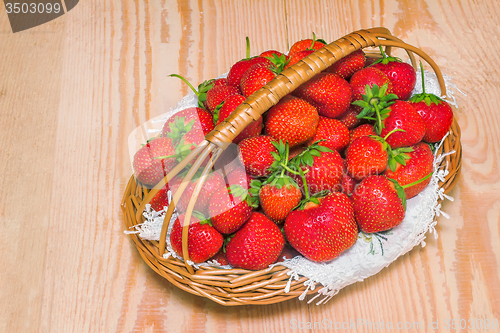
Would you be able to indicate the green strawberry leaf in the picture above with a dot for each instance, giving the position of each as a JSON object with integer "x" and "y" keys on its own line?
{"x": 400, "y": 191}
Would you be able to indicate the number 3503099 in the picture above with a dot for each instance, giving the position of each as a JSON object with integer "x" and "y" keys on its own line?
{"x": 32, "y": 8}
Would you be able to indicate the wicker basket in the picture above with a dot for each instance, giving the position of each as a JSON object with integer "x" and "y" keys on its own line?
{"x": 239, "y": 286}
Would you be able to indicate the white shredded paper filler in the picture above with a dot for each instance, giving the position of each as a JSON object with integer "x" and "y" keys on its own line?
{"x": 370, "y": 254}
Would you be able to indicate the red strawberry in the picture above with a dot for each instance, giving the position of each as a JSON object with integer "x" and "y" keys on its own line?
{"x": 349, "y": 118}
{"x": 437, "y": 117}
{"x": 256, "y": 245}
{"x": 238, "y": 69}
{"x": 334, "y": 132}
{"x": 203, "y": 240}
{"x": 229, "y": 209}
{"x": 160, "y": 200}
{"x": 202, "y": 124}
{"x": 378, "y": 204}
{"x": 403, "y": 116}
{"x": 278, "y": 198}
{"x": 321, "y": 232}
{"x": 366, "y": 156}
{"x": 271, "y": 54}
{"x": 392, "y": 116}
{"x": 255, "y": 78}
{"x": 154, "y": 161}
{"x": 226, "y": 108}
{"x": 329, "y": 93}
{"x": 292, "y": 120}
{"x": 417, "y": 165}
{"x": 361, "y": 130}
{"x": 296, "y": 57}
{"x": 218, "y": 94}
{"x": 213, "y": 183}
{"x": 435, "y": 112}
{"x": 322, "y": 169}
{"x": 368, "y": 76}
{"x": 307, "y": 44}
{"x": 402, "y": 75}
{"x": 256, "y": 154}
{"x": 348, "y": 65}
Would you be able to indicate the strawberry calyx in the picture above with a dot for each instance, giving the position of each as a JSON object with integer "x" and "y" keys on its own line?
{"x": 385, "y": 59}
{"x": 202, "y": 90}
{"x": 394, "y": 156}
{"x": 217, "y": 112}
{"x": 375, "y": 104}
{"x": 426, "y": 97}
{"x": 178, "y": 128}
{"x": 311, "y": 202}
{"x": 400, "y": 191}
{"x": 279, "y": 61}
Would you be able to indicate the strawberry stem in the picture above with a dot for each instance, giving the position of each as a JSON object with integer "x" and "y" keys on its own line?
{"x": 187, "y": 82}
{"x": 418, "y": 181}
{"x": 304, "y": 181}
{"x": 423, "y": 80}
{"x": 248, "y": 46}
{"x": 393, "y": 131}
{"x": 374, "y": 102}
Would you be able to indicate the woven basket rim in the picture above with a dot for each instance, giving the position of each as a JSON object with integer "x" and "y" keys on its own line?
{"x": 239, "y": 286}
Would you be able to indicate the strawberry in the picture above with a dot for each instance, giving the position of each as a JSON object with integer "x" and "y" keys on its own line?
{"x": 329, "y": 93}
{"x": 154, "y": 161}
{"x": 202, "y": 124}
{"x": 320, "y": 168}
{"x": 349, "y": 118}
{"x": 348, "y": 65}
{"x": 256, "y": 154}
{"x": 368, "y": 76}
{"x": 403, "y": 116}
{"x": 213, "y": 183}
{"x": 334, "y": 132}
{"x": 256, "y": 245}
{"x": 296, "y": 57}
{"x": 391, "y": 116}
{"x": 271, "y": 54}
{"x": 402, "y": 75}
{"x": 417, "y": 165}
{"x": 293, "y": 120}
{"x": 239, "y": 68}
{"x": 256, "y": 77}
{"x": 307, "y": 44}
{"x": 366, "y": 155}
{"x": 218, "y": 94}
{"x": 160, "y": 200}
{"x": 220, "y": 82}
{"x": 229, "y": 209}
{"x": 279, "y": 197}
{"x": 361, "y": 130}
{"x": 227, "y": 107}
{"x": 321, "y": 232}
{"x": 203, "y": 240}
{"x": 379, "y": 204}
{"x": 435, "y": 112}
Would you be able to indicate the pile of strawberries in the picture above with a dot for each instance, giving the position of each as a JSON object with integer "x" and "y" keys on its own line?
{"x": 339, "y": 155}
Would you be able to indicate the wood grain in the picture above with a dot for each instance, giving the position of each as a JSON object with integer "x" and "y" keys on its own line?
{"x": 73, "y": 89}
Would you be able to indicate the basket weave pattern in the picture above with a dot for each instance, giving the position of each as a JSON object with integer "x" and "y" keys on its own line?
{"x": 239, "y": 286}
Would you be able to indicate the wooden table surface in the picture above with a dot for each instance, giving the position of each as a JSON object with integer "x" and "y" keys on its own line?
{"x": 73, "y": 89}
